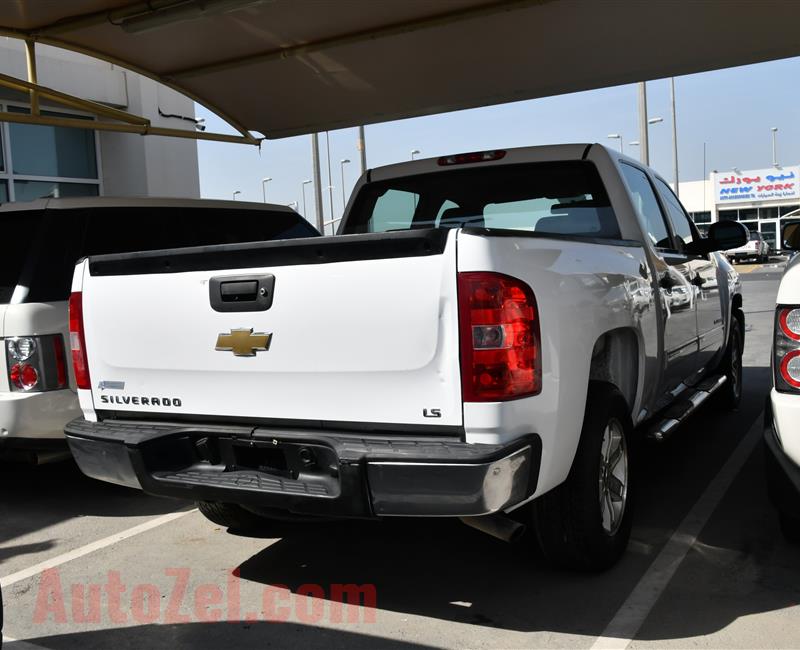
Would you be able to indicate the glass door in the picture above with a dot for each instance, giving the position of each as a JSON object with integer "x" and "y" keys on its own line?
{"x": 769, "y": 231}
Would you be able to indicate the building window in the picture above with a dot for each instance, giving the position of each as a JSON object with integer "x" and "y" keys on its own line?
{"x": 748, "y": 214}
{"x": 752, "y": 226}
{"x": 786, "y": 209}
{"x": 728, "y": 215}
{"x": 39, "y": 161}
{"x": 701, "y": 217}
{"x": 768, "y": 213}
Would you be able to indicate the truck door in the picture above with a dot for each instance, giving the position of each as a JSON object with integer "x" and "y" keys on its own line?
{"x": 710, "y": 323}
{"x": 674, "y": 277}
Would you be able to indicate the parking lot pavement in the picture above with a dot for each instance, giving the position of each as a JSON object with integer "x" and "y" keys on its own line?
{"x": 706, "y": 567}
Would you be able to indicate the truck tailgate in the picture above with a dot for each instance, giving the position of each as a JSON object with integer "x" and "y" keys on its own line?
{"x": 355, "y": 336}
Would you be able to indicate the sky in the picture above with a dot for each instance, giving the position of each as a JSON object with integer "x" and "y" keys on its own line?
{"x": 730, "y": 110}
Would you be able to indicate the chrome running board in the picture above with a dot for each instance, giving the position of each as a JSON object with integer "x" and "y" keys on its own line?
{"x": 673, "y": 416}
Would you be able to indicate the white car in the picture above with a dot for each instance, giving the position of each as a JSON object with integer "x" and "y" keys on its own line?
{"x": 756, "y": 249}
{"x": 782, "y": 431}
{"x": 490, "y": 334}
{"x": 45, "y": 238}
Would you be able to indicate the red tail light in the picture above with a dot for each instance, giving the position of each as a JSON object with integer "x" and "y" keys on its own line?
{"x": 36, "y": 363}
{"x": 77, "y": 341}
{"x": 500, "y": 348}
{"x": 786, "y": 349}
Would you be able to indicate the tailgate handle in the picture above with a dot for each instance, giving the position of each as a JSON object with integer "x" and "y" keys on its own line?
{"x": 241, "y": 292}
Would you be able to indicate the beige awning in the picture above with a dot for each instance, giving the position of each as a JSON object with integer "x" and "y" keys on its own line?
{"x": 286, "y": 67}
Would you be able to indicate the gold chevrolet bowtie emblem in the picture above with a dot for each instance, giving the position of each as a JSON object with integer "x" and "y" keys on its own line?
{"x": 243, "y": 343}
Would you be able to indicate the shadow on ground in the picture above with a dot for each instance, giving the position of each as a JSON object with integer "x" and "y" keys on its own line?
{"x": 217, "y": 635}
{"x": 33, "y": 497}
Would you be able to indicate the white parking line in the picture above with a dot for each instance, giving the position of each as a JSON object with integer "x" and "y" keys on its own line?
{"x": 58, "y": 560}
{"x": 634, "y": 611}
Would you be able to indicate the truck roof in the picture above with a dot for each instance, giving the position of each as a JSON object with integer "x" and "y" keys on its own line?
{"x": 540, "y": 153}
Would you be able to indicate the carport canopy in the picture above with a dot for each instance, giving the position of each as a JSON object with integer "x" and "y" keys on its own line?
{"x": 288, "y": 67}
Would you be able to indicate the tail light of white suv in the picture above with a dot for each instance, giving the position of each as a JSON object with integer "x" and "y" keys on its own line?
{"x": 36, "y": 363}
{"x": 786, "y": 361}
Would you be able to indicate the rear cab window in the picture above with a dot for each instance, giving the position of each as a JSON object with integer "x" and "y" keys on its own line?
{"x": 562, "y": 198}
{"x": 40, "y": 268}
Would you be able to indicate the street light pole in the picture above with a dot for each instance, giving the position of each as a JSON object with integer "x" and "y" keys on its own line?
{"x": 303, "y": 190}
{"x": 264, "y": 182}
{"x": 616, "y": 136}
{"x": 774, "y": 130}
{"x": 674, "y": 137}
{"x": 330, "y": 178}
{"x": 342, "y": 163}
{"x": 317, "y": 182}
{"x": 362, "y": 148}
{"x": 235, "y": 193}
{"x": 644, "y": 151}
{"x": 414, "y": 152}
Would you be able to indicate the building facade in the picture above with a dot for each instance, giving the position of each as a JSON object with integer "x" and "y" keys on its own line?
{"x": 44, "y": 161}
{"x": 761, "y": 199}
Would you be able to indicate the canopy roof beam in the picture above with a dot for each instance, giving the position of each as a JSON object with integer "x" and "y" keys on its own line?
{"x": 121, "y": 127}
{"x": 125, "y": 122}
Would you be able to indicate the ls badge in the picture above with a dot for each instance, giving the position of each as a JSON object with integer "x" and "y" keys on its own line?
{"x": 243, "y": 343}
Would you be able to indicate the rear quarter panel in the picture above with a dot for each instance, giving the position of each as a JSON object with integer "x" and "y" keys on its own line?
{"x": 582, "y": 290}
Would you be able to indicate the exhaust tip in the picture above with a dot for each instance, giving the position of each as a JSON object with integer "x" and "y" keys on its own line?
{"x": 499, "y": 526}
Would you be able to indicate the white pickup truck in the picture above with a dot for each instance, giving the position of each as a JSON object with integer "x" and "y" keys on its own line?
{"x": 489, "y": 334}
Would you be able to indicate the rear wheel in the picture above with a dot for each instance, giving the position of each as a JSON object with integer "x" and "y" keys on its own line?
{"x": 231, "y": 515}
{"x": 730, "y": 395}
{"x": 585, "y": 523}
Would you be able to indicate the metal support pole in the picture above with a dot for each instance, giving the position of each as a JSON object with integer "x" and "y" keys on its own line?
{"x": 644, "y": 150}
{"x": 330, "y": 176}
{"x": 30, "y": 55}
{"x": 774, "y": 146}
{"x": 317, "y": 182}
{"x": 674, "y": 137}
{"x": 362, "y": 148}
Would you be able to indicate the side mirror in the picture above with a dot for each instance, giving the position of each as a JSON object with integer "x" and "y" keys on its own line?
{"x": 791, "y": 236}
{"x": 724, "y": 235}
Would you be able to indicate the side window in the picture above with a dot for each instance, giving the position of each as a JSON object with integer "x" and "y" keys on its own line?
{"x": 393, "y": 211}
{"x": 680, "y": 222}
{"x": 644, "y": 198}
{"x": 447, "y": 205}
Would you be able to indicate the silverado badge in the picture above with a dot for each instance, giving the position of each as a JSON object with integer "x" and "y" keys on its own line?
{"x": 243, "y": 343}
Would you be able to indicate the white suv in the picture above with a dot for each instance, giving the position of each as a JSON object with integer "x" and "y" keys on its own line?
{"x": 782, "y": 420}
{"x": 37, "y": 389}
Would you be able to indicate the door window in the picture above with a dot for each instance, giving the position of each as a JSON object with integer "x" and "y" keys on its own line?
{"x": 677, "y": 216}
{"x": 647, "y": 208}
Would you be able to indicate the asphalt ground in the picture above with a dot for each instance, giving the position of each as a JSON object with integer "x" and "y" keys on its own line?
{"x": 707, "y": 566}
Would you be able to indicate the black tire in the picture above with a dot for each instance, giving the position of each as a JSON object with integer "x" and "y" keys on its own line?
{"x": 790, "y": 527}
{"x": 730, "y": 395}
{"x": 231, "y": 515}
{"x": 569, "y": 520}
